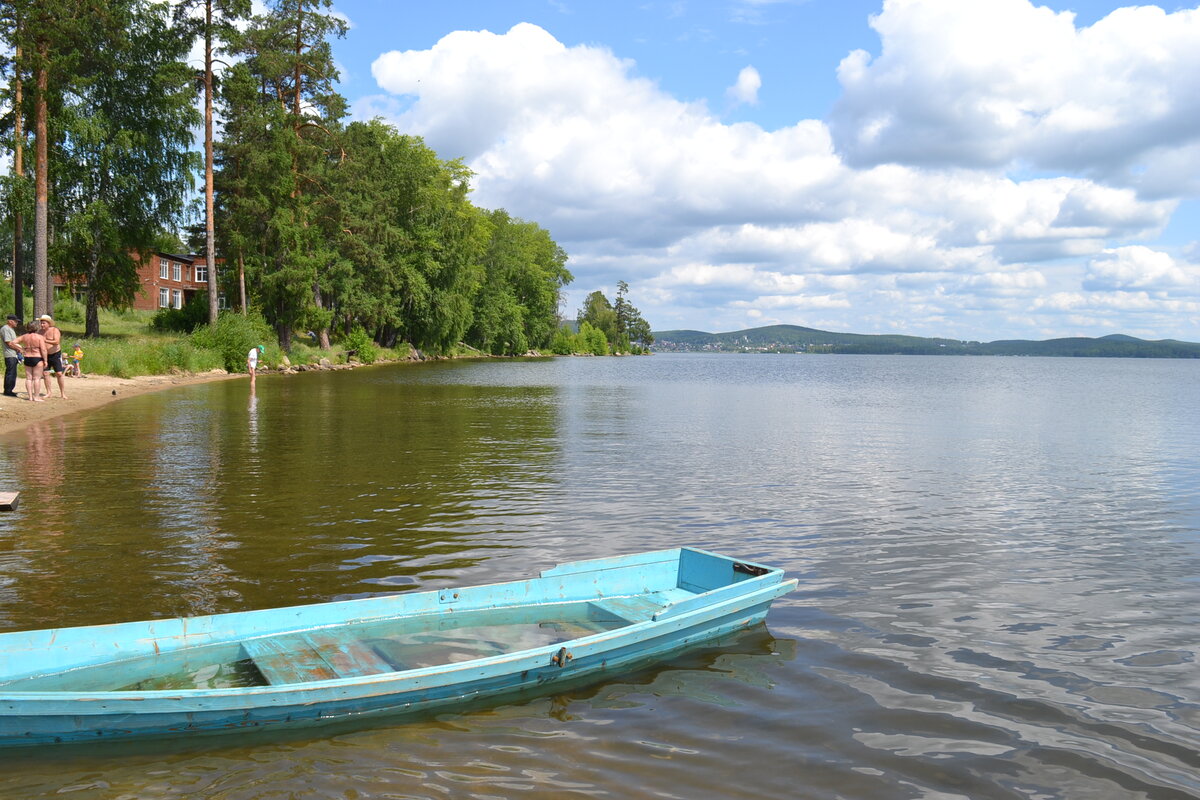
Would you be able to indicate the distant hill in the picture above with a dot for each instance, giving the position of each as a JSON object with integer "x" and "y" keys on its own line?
{"x": 793, "y": 339}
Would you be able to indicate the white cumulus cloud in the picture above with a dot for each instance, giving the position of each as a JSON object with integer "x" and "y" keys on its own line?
{"x": 916, "y": 211}
{"x": 996, "y": 83}
{"x": 745, "y": 89}
{"x": 1139, "y": 268}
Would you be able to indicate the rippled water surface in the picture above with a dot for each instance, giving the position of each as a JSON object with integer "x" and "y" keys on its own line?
{"x": 998, "y": 561}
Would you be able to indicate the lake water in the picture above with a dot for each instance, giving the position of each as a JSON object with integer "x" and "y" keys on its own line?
{"x": 998, "y": 563}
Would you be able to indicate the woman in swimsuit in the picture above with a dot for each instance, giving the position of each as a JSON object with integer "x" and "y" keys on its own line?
{"x": 33, "y": 346}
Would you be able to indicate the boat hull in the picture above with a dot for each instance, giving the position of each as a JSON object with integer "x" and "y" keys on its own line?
{"x": 685, "y": 619}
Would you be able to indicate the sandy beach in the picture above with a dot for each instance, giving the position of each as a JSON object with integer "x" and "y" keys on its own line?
{"x": 90, "y": 392}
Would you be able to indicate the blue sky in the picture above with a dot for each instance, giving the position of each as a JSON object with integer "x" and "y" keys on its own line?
{"x": 979, "y": 170}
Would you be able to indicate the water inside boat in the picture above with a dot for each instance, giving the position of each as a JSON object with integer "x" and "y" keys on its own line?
{"x": 349, "y": 650}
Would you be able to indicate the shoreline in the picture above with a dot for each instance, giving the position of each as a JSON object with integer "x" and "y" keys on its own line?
{"x": 17, "y": 414}
{"x": 90, "y": 392}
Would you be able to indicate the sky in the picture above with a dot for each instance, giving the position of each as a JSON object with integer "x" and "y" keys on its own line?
{"x": 974, "y": 169}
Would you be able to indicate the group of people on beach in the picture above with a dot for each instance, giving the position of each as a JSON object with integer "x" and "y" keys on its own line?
{"x": 40, "y": 350}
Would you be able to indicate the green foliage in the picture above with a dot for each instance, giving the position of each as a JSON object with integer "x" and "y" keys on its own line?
{"x": 67, "y": 309}
{"x": 302, "y": 353}
{"x": 233, "y": 337}
{"x": 588, "y": 341}
{"x": 335, "y": 225}
{"x": 630, "y": 325}
{"x": 145, "y": 355}
{"x": 562, "y": 344}
{"x": 7, "y": 306}
{"x": 599, "y": 313}
{"x": 499, "y": 323}
{"x": 359, "y": 344}
{"x": 621, "y": 323}
{"x": 593, "y": 340}
{"x": 183, "y": 320}
{"x": 280, "y": 214}
{"x": 413, "y": 259}
{"x": 517, "y": 306}
{"x": 124, "y": 161}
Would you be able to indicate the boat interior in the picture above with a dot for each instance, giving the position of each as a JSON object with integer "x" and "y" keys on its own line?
{"x": 358, "y": 649}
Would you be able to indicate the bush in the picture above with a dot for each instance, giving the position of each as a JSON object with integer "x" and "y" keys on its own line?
{"x": 361, "y": 346}
{"x": 67, "y": 309}
{"x": 593, "y": 340}
{"x": 561, "y": 343}
{"x": 233, "y": 337}
{"x": 6, "y": 301}
{"x": 183, "y": 320}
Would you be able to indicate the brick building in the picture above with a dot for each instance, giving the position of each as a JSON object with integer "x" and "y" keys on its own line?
{"x": 165, "y": 280}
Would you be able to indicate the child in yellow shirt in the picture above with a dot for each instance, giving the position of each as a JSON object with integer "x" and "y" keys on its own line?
{"x": 73, "y": 369}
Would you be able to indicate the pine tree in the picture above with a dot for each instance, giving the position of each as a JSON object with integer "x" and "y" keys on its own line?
{"x": 214, "y": 22}
{"x": 281, "y": 139}
{"x": 16, "y": 191}
{"x": 52, "y": 36}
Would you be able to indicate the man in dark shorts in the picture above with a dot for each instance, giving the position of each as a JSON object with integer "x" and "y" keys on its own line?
{"x": 11, "y": 356}
{"x": 53, "y": 337}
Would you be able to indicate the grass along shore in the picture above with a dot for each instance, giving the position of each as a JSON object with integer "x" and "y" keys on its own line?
{"x": 130, "y": 347}
{"x": 131, "y": 358}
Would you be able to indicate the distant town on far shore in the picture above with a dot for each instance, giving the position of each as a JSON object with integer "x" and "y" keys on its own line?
{"x": 797, "y": 339}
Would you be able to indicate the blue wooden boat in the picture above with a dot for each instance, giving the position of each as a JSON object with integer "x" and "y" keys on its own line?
{"x": 399, "y": 654}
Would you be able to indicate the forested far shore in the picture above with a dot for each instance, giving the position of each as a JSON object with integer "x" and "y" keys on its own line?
{"x": 797, "y": 339}
{"x": 312, "y": 223}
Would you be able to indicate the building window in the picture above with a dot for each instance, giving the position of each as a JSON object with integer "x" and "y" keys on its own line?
{"x": 221, "y": 304}
{"x": 201, "y": 273}
{"x": 164, "y": 298}
{"x": 178, "y": 271}
{"x": 163, "y": 267}
{"x": 176, "y": 298}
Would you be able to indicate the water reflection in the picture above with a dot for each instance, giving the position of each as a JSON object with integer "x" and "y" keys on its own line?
{"x": 998, "y": 562}
{"x": 252, "y": 423}
{"x": 216, "y": 510}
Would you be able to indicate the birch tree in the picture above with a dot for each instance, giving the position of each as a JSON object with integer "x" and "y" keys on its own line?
{"x": 126, "y": 161}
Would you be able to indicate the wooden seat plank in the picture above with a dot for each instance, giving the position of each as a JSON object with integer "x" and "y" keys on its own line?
{"x": 634, "y": 609}
{"x": 314, "y": 656}
{"x": 347, "y": 655}
{"x": 288, "y": 659}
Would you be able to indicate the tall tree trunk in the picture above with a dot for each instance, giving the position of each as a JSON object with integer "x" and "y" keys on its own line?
{"x": 323, "y": 334}
{"x": 91, "y": 324}
{"x": 19, "y": 171}
{"x": 284, "y": 332}
{"x": 242, "y": 283}
{"x": 210, "y": 258}
{"x": 297, "y": 72}
{"x": 41, "y": 208}
{"x": 19, "y": 265}
{"x": 91, "y": 316}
